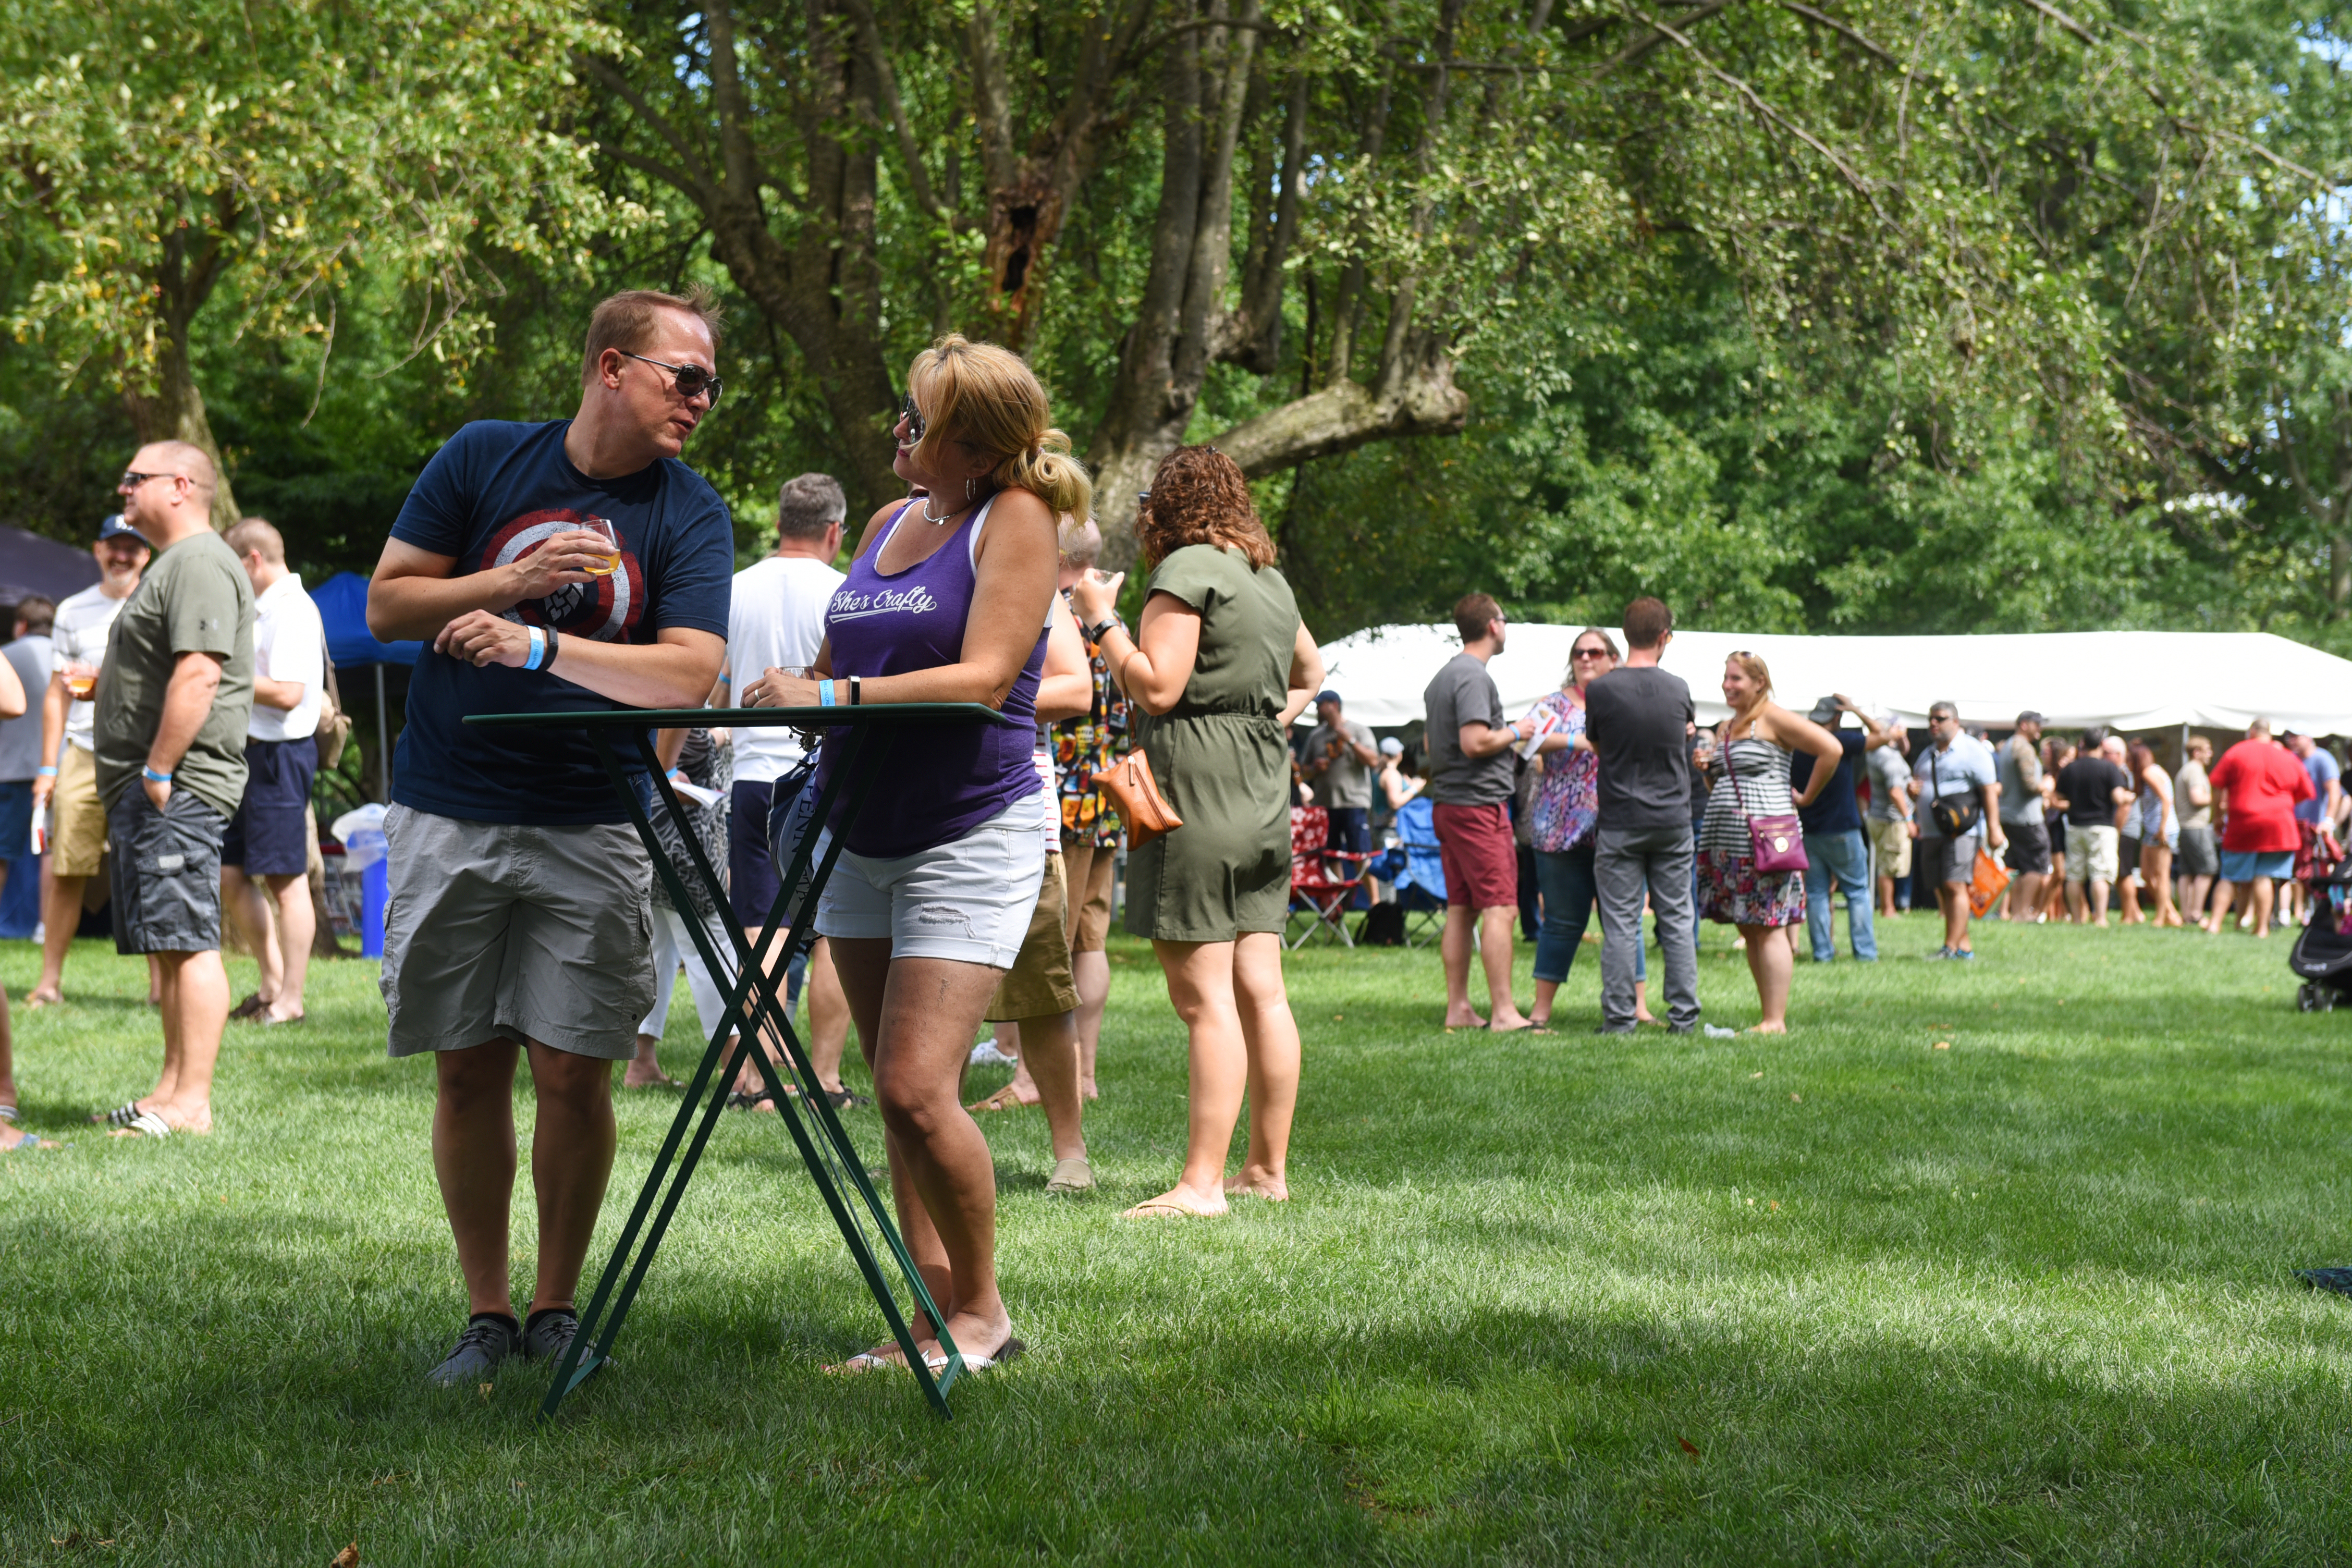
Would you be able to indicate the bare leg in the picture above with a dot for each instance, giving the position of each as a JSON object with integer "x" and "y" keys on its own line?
{"x": 196, "y": 1011}
{"x": 243, "y": 901}
{"x": 915, "y": 1019}
{"x": 1770, "y": 964}
{"x": 296, "y": 925}
{"x": 1886, "y": 909}
{"x": 7, "y": 1055}
{"x": 474, "y": 1161}
{"x": 1092, "y": 972}
{"x": 155, "y": 980}
{"x": 2098, "y": 895}
{"x": 644, "y": 1070}
{"x": 2192, "y": 899}
{"x": 572, "y": 1142}
{"x": 1453, "y": 949}
{"x": 2155, "y": 870}
{"x": 2077, "y": 910}
{"x": 1548, "y": 989}
{"x": 2132, "y": 915}
{"x": 828, "y": 1016}
{"x": 60, "y": 918}
{"x": 1270, "y": 1034}
{"x": 2264, "y": 893}
{"x": 1641, "y": 1014}
{"x": 1049, "y": 1047}
{"x": 1022, "y": 1089}
{"x": 1496, "y": 928}
{"x": 1954, "y": 899}
{"x": 2222, "y": 890}
{"x": 1200, "y": 988}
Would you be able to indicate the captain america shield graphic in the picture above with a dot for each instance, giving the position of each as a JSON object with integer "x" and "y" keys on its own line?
{"x": 605, "y": 608}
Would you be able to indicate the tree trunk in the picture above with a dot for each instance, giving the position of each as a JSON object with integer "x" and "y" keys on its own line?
{"x": 174, "y": 411}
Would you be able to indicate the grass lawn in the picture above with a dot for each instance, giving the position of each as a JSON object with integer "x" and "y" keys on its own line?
{"x": 1846, "y": 1297}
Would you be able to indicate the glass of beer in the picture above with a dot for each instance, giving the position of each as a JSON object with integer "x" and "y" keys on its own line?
{"x": 602, "y": 528}
{"x": 80, "y": 680}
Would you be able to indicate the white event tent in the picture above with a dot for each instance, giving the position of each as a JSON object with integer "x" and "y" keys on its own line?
{"x": 2130, "y": 680}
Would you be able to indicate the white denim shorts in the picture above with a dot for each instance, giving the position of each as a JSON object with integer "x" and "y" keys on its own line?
{"x": 969, "y": 901}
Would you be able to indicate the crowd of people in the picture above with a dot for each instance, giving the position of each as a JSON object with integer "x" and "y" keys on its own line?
{"x": 579, "y": 565}
{"x": 1762, "y": 821}
{"x": 172, "y": 753}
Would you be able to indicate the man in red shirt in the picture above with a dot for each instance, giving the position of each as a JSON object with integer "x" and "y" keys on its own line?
{"x": 2255, "y": 786}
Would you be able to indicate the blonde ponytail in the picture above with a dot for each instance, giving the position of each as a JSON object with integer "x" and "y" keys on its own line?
{"x": 988, "y": 399}
{"x": 1048, "y": 472}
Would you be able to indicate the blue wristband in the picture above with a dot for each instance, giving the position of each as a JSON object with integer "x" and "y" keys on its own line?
{"x": 825, "y": 693}
{"x": 48, "y": 773}
{"x": 151, "y": 776}
{"x": 537, "y": 654}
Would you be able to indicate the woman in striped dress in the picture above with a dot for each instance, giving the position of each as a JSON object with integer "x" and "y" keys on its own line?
{"x": 1759, "y": 738}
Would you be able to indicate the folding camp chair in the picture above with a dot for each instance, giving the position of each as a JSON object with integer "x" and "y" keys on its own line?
{"x": 1323, "y": 881}
{"x": 1421, "y": 886}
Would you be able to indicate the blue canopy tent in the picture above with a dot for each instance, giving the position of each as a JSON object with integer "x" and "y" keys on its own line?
{"x": 343, "y": 607}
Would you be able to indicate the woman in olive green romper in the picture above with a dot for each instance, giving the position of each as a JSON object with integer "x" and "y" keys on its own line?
{"x": 1219, "y": 666}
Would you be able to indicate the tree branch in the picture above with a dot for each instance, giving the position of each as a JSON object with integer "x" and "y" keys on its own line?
{"x": 877, "y": 59}
{"x": 1659, "y": 33}
{"x": 698, "y": 172}
{"x": 1841, "y": 29}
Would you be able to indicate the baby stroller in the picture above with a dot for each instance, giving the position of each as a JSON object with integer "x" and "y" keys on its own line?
{"x": 2322, "y": 958}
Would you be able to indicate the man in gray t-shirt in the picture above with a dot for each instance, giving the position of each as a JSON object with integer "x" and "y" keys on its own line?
{"x": 1339, "y": 762}
{"x": 1471, "y": 770}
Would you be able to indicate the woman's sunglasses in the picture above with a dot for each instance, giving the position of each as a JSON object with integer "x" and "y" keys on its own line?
{"x": 1589, "y": 653}
{"x": 912, "y": 415}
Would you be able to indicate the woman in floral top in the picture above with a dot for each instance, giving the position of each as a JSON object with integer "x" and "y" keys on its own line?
{"x": 1566, "y": 807}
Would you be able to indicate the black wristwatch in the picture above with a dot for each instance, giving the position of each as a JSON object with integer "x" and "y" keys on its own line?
{"x": 1096, "y": 634}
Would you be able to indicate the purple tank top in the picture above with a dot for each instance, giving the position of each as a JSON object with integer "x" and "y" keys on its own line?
{"x": 940, "y": 782}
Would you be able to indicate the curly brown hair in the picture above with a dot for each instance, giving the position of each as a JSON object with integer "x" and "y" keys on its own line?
{"x": 1199, "y": 497}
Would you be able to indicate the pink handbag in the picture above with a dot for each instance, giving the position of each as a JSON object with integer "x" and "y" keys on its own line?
{"x": 1776, "y": 842}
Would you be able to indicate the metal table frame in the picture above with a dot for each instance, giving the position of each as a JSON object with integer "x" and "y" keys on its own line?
{"x": 755, "y": 1001}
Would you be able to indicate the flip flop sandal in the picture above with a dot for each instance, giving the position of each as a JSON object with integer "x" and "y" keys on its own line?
{"x": 121, "y": 1116}
{"x": 253, "y": 1006}
{"x": 1002, "y": 1099}
{"x": 868, "y": 1361}
{"x": 1158, "y": 1208}
{"x": 23, "y": 1138}
{"x": 1072, "y": 1175}
{"x": 1010, "y": 1350}
{"x": 146, "y": 1125}
{"x": 7, "y": 1113}
{"x": 267, "y": 1022}
{"x": 1534, "y": 1027}
{"x": 843, "y": 1099}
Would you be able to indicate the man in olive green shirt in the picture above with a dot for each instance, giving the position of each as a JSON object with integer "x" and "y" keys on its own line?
{"x": 173, "y": 702}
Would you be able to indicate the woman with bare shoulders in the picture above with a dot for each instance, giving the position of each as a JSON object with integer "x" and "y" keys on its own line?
{"x": 2159, "y": 832}
{"x": 1753, "y": 751}
{"x": 1219, "y": 665}
{"x": 946, "y": 602}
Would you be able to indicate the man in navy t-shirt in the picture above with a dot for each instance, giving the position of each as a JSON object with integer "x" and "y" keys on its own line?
{"x": 573, "y": 564}
{"x": 1835, "y": 853}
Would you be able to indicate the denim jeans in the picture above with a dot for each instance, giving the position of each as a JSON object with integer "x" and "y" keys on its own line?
{"x": 1568, "y": 894}
{"x": 1625, "y": 865}
{"x": 1351, "y": 830}
{"x": 1844, "y": 858}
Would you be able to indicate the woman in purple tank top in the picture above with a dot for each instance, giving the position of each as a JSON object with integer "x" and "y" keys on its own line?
{"x": 946, "y": 602}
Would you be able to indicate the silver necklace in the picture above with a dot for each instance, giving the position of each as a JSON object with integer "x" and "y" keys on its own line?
{"x": 935, "y": 521}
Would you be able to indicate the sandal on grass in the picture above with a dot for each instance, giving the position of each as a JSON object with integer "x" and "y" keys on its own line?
{"x": 253, "y": 1006}
{"x": 1075, "y": 1175}
{"x": 1010, "y": 1350}
{"x": 2337, "y": 1280}
{"x": 1002, "y": 1099}
{"x": 13, "y": 1139}
{"x": 121, "y": 1116}
{"x": 146, "y": 1125}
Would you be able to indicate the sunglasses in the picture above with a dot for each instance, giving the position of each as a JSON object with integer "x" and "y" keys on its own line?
{"x": 913, "y": 417}
{"x": 693, "y": 381}
{"x": 1589, "y": 653}
{"x": 132, "y": 478}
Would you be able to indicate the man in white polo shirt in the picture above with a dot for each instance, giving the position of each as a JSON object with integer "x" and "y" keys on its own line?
{"x": 776, "y": 620}
{"x": 269, "y": 840}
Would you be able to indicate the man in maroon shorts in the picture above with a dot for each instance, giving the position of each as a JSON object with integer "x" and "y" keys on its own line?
{"x": 1470, "y": 769}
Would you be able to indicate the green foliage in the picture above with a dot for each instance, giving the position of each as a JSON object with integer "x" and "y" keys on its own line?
{"x": 283, "y": 145}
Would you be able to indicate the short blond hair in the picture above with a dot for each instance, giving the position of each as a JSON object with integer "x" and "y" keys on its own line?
{"x": 257, "y": 533}
{"x": 630, "y": 322}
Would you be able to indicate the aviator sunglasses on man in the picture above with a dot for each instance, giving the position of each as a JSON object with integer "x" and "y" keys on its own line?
{"x": 693, "y": 381}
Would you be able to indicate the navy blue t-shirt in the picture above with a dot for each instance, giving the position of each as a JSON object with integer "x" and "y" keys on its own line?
{"x": 1834, "y": 810}
{"x": 495, "y": 493}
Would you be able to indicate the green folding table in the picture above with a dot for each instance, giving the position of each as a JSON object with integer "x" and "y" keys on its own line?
{"x": 756, "y": 1001}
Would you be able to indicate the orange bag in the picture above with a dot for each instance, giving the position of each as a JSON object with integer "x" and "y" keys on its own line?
{"x": 1985, "y": 887}
{"x": 1131, "y": 788}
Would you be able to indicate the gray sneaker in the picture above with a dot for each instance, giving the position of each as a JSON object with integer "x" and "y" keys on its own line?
{"x": 489, "y": 1339}
{"x": 550, "y": 1333}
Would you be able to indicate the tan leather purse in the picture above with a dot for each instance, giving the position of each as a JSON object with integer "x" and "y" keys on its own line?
{"x": 1141, "y": 806}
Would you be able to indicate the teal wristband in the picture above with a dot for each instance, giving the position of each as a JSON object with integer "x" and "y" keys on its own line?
{"x": 48, "y": 773}
{"x": 825, "y": 693}
{"x": 151, "y": 776}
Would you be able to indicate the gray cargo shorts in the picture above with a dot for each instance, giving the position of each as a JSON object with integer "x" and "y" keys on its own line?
{"x": 507, "y": 930}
